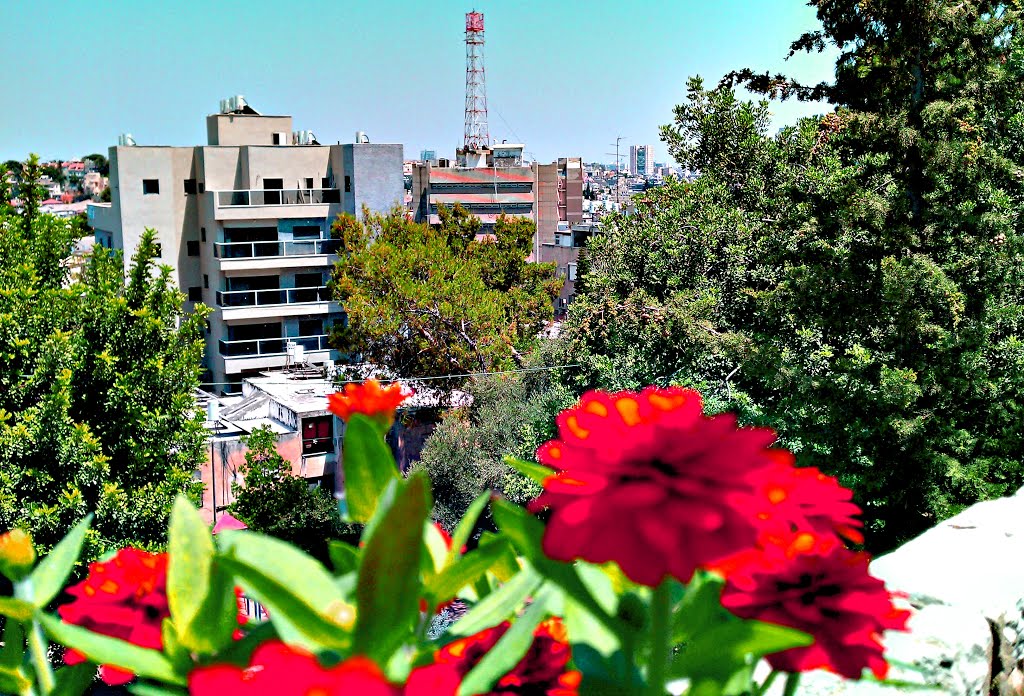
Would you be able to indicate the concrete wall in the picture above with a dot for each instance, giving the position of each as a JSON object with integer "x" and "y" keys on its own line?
{"x": 376, "y": 175}
{"x": 247, "y": 129}
{"x": 291, "y": 164}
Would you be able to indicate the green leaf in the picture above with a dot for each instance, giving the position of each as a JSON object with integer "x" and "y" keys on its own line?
{"x": 200, "y": 594}
{"x": 74, "y": 680}
{"x": 16, "y": 609}
{"x": 531, "y": 470}
{"x": 508, "y": 565}
{"x": 465, "y": 571}
{"x": 304, "y": 603}
{"x": 155, "y": 690}
{"x": 388, "y": 587}
{"x": 368, "y": 466}
{"x": 13, "y": 681}
{"x": 497, "y": 606}
{"x": 105, "y": 650}
{"x": 13, "y": 652}
{"x": 465, "y": 527}
{"x": 720, "y": 650}
{"x": 508, "y": 651}
{"x": 344, "y": 557}
{"x": 699, "y": 609}
{"x": 49, "y": 576}
{"x": 525, "y": 532}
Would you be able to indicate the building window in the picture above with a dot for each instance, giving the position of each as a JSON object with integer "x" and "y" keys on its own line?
{"x": 277, "y": 138}
{"x": 206, "y": 281}
{"x": 572, "y": 272}
{"x": 193, "y": 247}
{"x": 309, "y": 182}
{"x": 195, "y": 294}
{"x": 190, "y": 186}
{"x": 202, "y": 234}
{"x": 306, "y": 232}
{"x": 318, "y": 435}
{"x": 150, "y": 186}
{"x": 325, "y": 183}
{"x": 348, "y": 184}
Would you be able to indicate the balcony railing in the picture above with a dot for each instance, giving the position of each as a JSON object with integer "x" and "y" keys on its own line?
{"x": 241, "y": 198}
{"x": 252, "y": 298}
{"x": 271, "y": 346}
{"x": 250, "y": 250}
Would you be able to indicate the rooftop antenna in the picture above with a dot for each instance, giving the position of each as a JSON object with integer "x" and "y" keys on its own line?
{"x": 618, "y": 168}
{"x": 476, "y": 133}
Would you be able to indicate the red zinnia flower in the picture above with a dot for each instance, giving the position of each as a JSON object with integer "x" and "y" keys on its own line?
{"x": 126, "y": 598}
{"x": 284, "y": 670}
{"x": 646, "y": 480}
{"x": 368, "y": 398}
{"x": 815, "y": 585}
{"x": 541, "y": 671}
{"x": 792, "y": 499}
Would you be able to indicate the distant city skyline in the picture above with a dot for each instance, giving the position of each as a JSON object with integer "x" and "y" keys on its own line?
{"x": 558, "y": 79}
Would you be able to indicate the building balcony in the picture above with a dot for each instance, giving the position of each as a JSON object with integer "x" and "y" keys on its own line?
{"x": 280, "y": 302}
{"x": 250, "y": 204}
{"x": 300, "y": 253}
{"x": 272, "y": 346}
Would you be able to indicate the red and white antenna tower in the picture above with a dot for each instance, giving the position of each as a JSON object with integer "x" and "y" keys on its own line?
{"x": 476, "y": 135}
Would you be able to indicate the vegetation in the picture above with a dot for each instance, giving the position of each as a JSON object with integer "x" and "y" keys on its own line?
{"x": 278, "y": 503}
{"x": 425, "y": 301}
{"x": 854, "y": 281}
{"x": 96, "y": 386}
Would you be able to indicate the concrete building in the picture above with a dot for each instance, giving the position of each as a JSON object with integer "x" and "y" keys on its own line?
{"x": 641, "y": 160}
{"x": 244, "y": 222}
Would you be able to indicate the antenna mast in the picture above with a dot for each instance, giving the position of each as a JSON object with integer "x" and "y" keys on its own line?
{"x": 476, "y": 133}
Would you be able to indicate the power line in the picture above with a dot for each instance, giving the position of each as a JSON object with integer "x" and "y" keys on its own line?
{"x": 424, "y": 379}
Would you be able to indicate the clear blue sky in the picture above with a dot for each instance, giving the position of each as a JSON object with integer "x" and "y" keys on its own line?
{"x": 565, "y": 77}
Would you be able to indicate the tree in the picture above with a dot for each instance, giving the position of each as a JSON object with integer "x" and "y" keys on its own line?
{"x": 101, "y": 162}
{"x": 97, "y": 412}
{"x": 425, "y": 301}
{"x": 276, "y": 502}
{"x": 105, "y": 194}
{"x": 854, "y": 281}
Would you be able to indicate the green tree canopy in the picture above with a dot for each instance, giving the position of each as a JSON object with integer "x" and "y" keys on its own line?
{"x": 426, "y": 301}
{"x": 854, "y": 281}
{"x": 97, "y": 411}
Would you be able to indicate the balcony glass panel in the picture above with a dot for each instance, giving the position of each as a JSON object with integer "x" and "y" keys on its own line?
{"x": 271, "y": 346}
{"x": 251, "y": 298}
{"x": 253, "y": 197}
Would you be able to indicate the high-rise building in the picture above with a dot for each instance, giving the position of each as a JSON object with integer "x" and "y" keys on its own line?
{"x": 641, "y": 160}
{"x": 244, "y": 224}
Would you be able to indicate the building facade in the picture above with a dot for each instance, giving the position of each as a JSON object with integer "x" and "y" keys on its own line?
{"x": 244, "y": 223}
{"x": 641, "y": 160}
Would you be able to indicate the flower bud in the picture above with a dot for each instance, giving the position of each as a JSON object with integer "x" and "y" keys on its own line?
{"x": 17, "y": 555}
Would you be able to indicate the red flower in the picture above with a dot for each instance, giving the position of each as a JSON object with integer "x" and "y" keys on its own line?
{"x": 368, "y": 398}
{"x": 283, "y": 670}
{"x": 541, "y": 671}
{"x": 791, "y": 499}
{"x": 813, "y": 584}
{"x": 126, "y": 598}
{"x": 647, "y": 481}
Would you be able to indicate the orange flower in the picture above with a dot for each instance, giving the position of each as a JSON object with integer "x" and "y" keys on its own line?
{"x": 17, "y": 555}
{"x": 368, "y": 398}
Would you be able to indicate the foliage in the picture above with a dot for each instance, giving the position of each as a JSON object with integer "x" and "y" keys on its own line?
{"x": 510, "y": 415}
{"x": 96, "y": 388}
{"x": 854, "y": 281}
{"x": 276, "y": 502}
{"x": 426, "y": 301}
{"x": 101, "y": 162}
{"x": 366, "y": 617}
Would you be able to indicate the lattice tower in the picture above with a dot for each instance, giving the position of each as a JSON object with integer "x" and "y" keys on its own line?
{"x": 476, "y": 133}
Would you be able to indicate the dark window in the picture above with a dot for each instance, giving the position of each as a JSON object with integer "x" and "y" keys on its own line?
{"x": 202, "y": 234}
{"x": 311, "y": 327}
{"x": 318, "y": 435}
{"x": 193, "y": 247}
{"x": 272, "y": 186}
{"x": 309, "y": 280}
{"x": 277, "y": 138}
{"x": 159, "y": 249}
{"x": 309, "y": 182}
{"x": 348, "y": 184}
{"x": 195, "y": 294}
{"x": 206, "y": 281}
{"x": 325, "y": 183}
{"x": 190, "y": 186}
{"x": 306, "y": 232}
{"x": 150, "y": 186}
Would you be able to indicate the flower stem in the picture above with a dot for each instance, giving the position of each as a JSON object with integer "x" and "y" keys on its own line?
{"x": 758, "y": 690}
{"x": 792, "y": 681}
{"x": 40, "y": 661}
{"x": 661, "y": 614}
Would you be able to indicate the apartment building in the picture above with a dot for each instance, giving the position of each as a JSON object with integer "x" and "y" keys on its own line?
{"x": 244, "y": 222}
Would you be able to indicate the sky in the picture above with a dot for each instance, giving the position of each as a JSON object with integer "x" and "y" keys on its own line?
{"x": 565, "y": 77}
